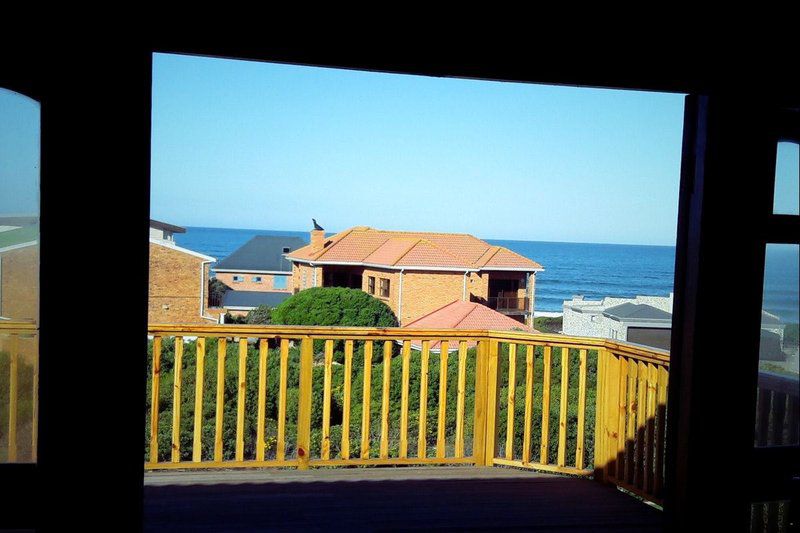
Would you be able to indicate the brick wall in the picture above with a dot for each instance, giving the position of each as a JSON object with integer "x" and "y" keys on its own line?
{"x": 174, "y": 291}
{"x": 303, "y": 277}
{"x": 267, "y": 282}
{"x": 19, "y": 285}
{"x": 426, "y": 291}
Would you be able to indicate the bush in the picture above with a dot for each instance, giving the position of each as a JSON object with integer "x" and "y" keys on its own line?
{"x": 260, "y": 315}
{"x": 334, "y": 306}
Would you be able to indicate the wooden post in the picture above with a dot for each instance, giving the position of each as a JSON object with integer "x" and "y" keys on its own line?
{"x": 440, "y": 427}
{"x": 611, "y": 416}
{"x": 512, "y": 390}
{"x": 562, "y": 410}
{"x": 579, "y": 447}
{"x": 13, "y": 390}
{"x": 526, "y": 436}
{"x": 304, "y": 407}
{"x": 492, "y": 405}
{"x": 545, "y": 443}
{"x": 365, "y": 396}
{"x": 479, "y": 430}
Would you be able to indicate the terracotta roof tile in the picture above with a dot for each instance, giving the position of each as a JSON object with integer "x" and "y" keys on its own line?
{"x": 407, "y": 248}
{"x": 466, "y": 315}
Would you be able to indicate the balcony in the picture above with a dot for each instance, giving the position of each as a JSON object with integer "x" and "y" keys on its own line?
{"x": 448, "y": 406}
{"x": 509, "y": 304}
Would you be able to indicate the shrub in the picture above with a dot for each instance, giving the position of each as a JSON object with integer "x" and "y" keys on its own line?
{"x": 260, "y": 315}
{"x": 334, "y": 306}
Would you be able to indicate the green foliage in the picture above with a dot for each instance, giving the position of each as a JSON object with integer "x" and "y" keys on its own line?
{"x": 260, "y": 315}
{"x": 334, "y": 306}
{"x": 547, "y": 324}
{"x": 235, "y": 319}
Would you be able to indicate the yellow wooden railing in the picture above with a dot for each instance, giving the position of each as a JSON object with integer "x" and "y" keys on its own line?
{"x": 19, "y": 359}
{"x": 623, "y": 387}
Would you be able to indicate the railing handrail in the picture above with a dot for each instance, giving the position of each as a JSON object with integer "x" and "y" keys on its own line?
{"x": 783, "y": 383}
{"x": 361, "y": 333}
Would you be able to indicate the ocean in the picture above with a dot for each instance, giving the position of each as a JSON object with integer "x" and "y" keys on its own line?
{"x": 591, "y": 270}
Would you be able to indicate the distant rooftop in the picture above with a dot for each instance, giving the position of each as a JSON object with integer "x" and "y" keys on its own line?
{"x": 166, "y": 227}
{"x": 398, "y": 249}
{"x": 262, "y": 253}
{"x": 253, "y": 298}
{"x": 629, "y": 312}
{"x": 15, "y": 236}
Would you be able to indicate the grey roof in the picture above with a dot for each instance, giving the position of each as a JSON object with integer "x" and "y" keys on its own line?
{"x": 168, "y": 227}
{"x": 262, "y": 252}
{"x": 629, "y": 312}
{"x": 253, "y": 298}
{"x": 768, "y": 319}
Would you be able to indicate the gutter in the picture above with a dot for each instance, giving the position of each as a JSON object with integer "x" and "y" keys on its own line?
{"x": 464, "y": 290}
{"x": 400, "y": 298}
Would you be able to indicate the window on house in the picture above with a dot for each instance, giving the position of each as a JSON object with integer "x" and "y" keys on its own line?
{"x": 384, "y": 288}
{"x": 286, "y": 249}
{"x": 371, "y": 284}
{"x": 280, "y": 282}
{"x": 238, "y": 279}
{"x": 256, "y": 279}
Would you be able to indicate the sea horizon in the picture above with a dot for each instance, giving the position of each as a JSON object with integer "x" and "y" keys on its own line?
{"x": 591, "y": 270}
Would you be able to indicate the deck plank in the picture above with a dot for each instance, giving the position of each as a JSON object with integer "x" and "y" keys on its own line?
{"x": 445, "y": 498}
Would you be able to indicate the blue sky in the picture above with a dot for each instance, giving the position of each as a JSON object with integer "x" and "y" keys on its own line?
{"x": 19, "y": 154}
{"x": 268, "y": 146}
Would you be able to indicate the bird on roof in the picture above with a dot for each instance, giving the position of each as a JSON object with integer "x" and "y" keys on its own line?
{"x": 317, "y": 226}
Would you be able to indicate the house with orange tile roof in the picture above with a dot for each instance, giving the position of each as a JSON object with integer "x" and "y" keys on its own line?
{"x": 416, "y": 273}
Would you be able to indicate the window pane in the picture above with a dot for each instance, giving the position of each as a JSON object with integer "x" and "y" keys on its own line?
{"x": 279, "y": 282}
{"x": 787, "y": 179}
{"x": 777, "y": 409}
{"x": 19, "y": 276}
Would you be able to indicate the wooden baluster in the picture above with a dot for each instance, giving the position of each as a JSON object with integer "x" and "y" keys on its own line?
{"x": 325, "y": 448}
{"x": 176, "y": 401}
{"x": 611, "y": 411}
{"x": 13, "y": 398}
{"x": 348, "y": 376}
{"x": 462, "y": 379}
{"x": 242, "y": 387}
{"x": 404, "y": 400}
{"x": 155, "y": 386}
{"x": 641, "y": 422}
{"x": 304, "y": 404}
{"x": 630, "y": 432}
{"x": 649, "y": 447}
{"x": 440, "y": 434}
{"x": 492, "y": 404}
{"x": 366, "y": 400}
{"x": 422, "y": 439}
{"x": 512, "y": 389}
{"x": 35, "y": 408}
{"x": 222, "y": 348}
{"x": 197, "y": 442}
{"x": 622, "y": 410}
{"x": 263, "y": 351}
{"x": 479, "y": 431}
{"x": 526, "y": 436}
{"x": 579, "y": 447}
{"x": 661, "y": 420}
{"x": 562, "y": 410}
{"x": 599, "y": 418}
{"x": 280, "y": 451}
{"x": 387, "y": 369}
{"x": 544, "y": 446}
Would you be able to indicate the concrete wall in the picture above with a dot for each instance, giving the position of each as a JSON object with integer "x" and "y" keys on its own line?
{"x": 591, "y": 322}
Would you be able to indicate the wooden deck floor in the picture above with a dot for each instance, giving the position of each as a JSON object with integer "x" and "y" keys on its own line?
{"x": 388, "y": 499}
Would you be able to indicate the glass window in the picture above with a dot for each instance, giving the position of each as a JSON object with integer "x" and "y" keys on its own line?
{"x": 256, "y": 279}
{"x": 384, "y": 288}
{"x": 19, "y": 276}
{"x": 238, "y": 279}
{"x": 280, "y": 282}
{"x": 777, "y": 409}
{"x": 787, "y": 179}
{"x": 371, "y": 284}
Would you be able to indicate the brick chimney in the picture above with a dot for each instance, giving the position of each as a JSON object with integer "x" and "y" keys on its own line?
{"x": 317, "y": 239}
